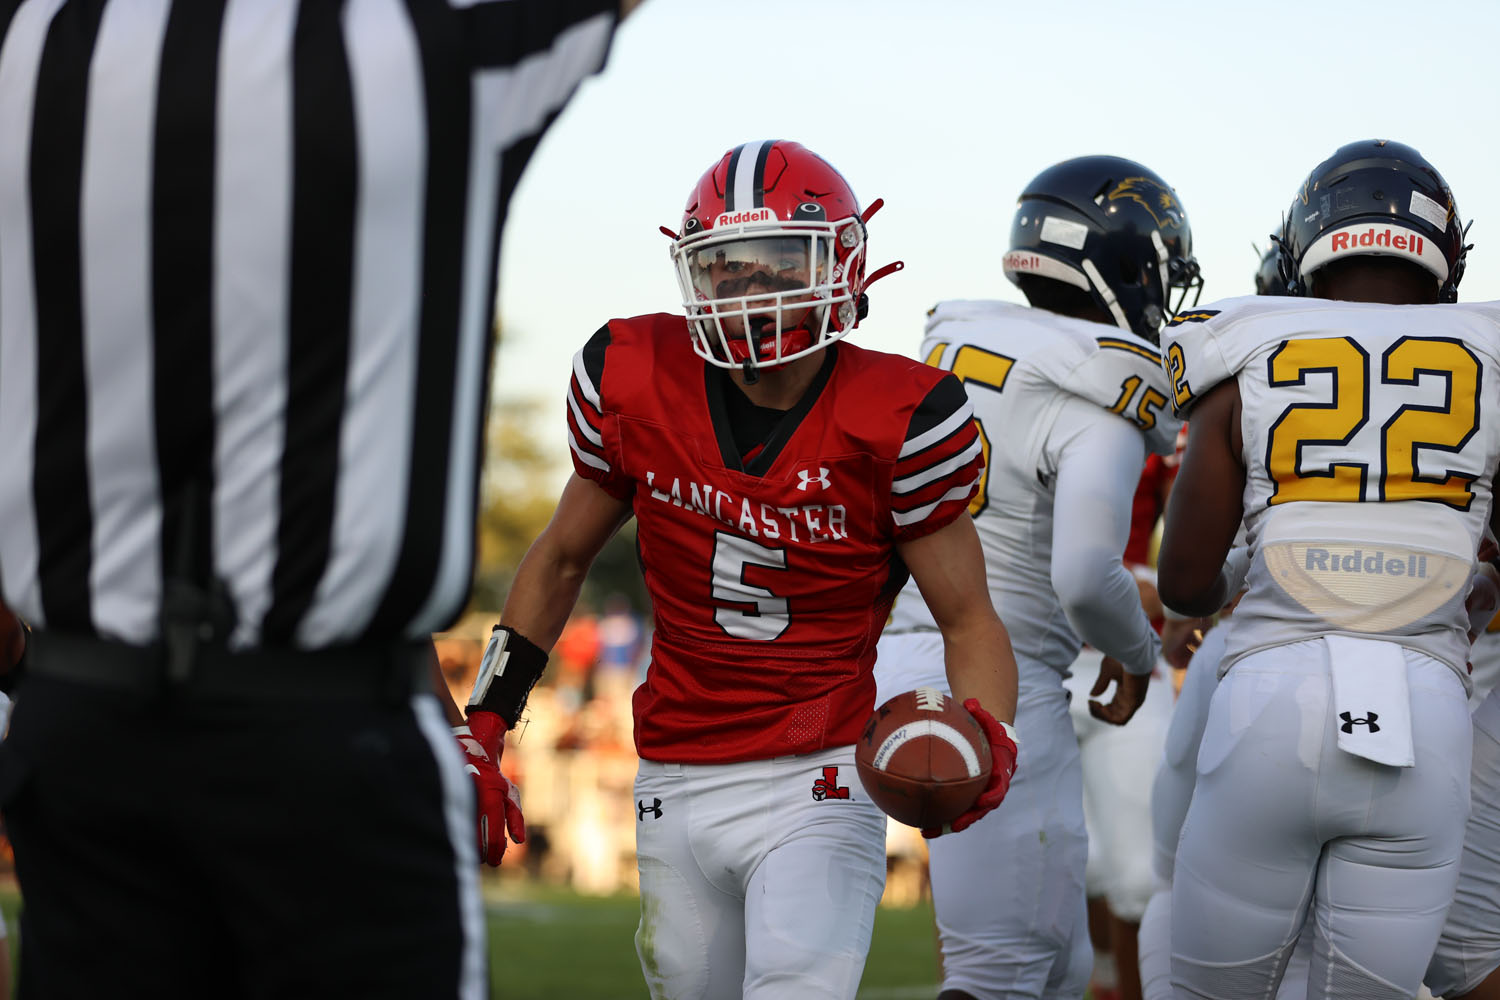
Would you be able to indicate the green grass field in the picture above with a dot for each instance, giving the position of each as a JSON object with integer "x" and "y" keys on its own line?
{"x": 549, "y": 943}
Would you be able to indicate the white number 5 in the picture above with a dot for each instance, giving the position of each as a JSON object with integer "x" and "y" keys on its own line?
{"x": 770, "y": 618}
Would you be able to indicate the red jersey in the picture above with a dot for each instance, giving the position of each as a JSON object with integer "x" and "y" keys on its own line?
{"x": 1150, "y": 501}
{"x": 771, "y": 577}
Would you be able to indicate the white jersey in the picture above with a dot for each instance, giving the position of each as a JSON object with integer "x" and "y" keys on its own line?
{"x": 1370, "y": 435}
{"x": 1024, "y": 369}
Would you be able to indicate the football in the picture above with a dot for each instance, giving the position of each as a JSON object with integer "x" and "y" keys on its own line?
{"x": 923, "y": 758}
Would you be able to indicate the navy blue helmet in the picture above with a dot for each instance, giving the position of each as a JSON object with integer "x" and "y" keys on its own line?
{"x": 1373, "y": 197}
{"x": 1113, "y": 228}
{"x": 1268, "y": 280}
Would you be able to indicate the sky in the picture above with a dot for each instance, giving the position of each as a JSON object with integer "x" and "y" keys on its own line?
{"x": 946, "y": 108}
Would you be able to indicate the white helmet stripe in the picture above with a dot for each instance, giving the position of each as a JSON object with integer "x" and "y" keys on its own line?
{"x": 739, "y": 186}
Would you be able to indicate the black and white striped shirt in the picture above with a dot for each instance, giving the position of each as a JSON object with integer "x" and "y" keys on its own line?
{"x": 247, "y": 268}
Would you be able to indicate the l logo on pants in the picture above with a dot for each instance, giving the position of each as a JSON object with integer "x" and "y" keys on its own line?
{"x": 828, "y": 787}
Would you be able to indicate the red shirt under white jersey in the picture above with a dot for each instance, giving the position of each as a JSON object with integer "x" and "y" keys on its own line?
{"x": 770, "y": 578}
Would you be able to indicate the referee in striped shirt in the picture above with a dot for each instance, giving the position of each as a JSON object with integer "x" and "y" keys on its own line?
{"x": 247, "y": 270}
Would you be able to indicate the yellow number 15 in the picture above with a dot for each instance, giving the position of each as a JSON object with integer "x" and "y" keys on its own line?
{"x": 1410, "y": 428}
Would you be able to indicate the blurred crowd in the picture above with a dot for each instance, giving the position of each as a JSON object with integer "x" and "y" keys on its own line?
{"x": 573, "y": 754}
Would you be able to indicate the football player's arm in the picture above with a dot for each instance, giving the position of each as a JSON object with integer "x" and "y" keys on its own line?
{"x": 551, "y": 574}
{"x": 541, "y": 597}
{"x": 948, "y": 566}
{"x": 1205, "y": 509}
{"x": 1099, "y": 463}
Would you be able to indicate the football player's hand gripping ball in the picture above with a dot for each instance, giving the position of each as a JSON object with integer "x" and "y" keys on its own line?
{"x": 1002, "y": 737}
{"x": 482, "y": 742}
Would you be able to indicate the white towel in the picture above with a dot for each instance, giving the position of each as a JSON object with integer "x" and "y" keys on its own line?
{"x": 1370, "y": 703}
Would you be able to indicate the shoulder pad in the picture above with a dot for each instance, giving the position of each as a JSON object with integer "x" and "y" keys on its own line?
{"x": 1192, "y": 347}
{"x": 1123, "y": 374}
{"x": 1110, "y": 367}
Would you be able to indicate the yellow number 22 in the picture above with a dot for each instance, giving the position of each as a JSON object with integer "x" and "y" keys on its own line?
{"x": 1409, "y": 429}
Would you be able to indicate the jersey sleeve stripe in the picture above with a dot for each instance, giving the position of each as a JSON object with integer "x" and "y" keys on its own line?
{"x": 917, "y": 480}
{"x": 584, "y": 382}
{"x": 1136, "y": 349}
{"x": 919, "y": 514}
{"x": 930, "y": 437}
{"x": 585, "y": 424}
{"x": 933, "y": 491}
{"x": 588, "y": 458}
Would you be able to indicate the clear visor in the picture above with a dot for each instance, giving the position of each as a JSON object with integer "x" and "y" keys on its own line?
{"x": 766, "y": 298}
{"x": 747, "y": 268}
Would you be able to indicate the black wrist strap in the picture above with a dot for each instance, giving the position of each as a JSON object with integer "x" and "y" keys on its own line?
{"x": 511, "y": 667}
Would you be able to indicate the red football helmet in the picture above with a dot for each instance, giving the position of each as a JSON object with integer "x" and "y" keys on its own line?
{"x": 771, "y": 259}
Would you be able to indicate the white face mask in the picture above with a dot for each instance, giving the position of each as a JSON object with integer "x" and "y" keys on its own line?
{"x": 765, "y": 292}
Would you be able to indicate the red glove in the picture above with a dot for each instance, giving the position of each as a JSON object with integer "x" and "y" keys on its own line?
{"x": 1002, "y": 765}
{"x": 482, "y": 741}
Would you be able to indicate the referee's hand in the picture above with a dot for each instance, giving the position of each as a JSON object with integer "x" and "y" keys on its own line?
{"x": 482, "y": 742}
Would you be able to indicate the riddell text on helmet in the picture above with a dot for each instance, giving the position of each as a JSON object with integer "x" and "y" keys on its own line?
{"x": 1372, "y": 237}
{"x": 748, "y": 215}
{"x": 1019, "y": 260}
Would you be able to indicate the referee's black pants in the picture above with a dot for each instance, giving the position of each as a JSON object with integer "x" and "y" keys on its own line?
{"x": 178, "y": 844}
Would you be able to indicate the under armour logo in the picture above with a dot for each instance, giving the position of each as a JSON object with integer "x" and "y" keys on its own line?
{"x": 1350, "y": 722}
{"x": 805, "y": 478}
{"x": 642, "y": 809}
{"x": 827, "y": 787}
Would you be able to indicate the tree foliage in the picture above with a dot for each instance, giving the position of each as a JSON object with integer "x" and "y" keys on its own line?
{"x": 517, "y": 498}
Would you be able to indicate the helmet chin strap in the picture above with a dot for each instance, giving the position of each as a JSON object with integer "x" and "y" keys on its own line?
{"x": 1110, "y": 302}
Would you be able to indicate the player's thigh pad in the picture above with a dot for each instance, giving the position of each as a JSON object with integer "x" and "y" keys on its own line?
{"x": 1009, "y": 890}
{"x": 1155, "y": 951}
{"x": 1154, "y": 946}
{"x": 747, "y": 879}
{"x": 1468, "y": 949}
{"x": 810, "y": 903}
{"x": 1273, "y": 793}
{"x": 691, "y": 938}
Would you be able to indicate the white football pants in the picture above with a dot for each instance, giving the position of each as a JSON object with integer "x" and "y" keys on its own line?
{"x": 1008, "y": 891}
{"x": 1171, "y": 791}
{"x": 751, "y": 884}
{"x": 1118, "y": 764}
{"x": 1285, "y": 829}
